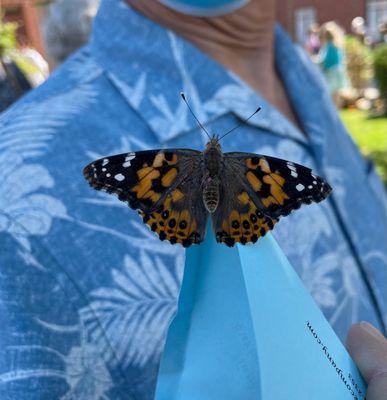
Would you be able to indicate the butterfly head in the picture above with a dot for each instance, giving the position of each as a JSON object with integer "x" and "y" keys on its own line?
{"x": 213, "y": 144}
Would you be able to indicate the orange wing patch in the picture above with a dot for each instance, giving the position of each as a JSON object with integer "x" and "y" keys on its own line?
{"x": 151, "y": 182}
{"x": 163, "y": 158}
{"x": 169, "y": 177}
{"x": 246, "y": 226}
{"x": 267, "y": 183}
{"x": 146, "y": 177}
{"x": 254, "y": 181}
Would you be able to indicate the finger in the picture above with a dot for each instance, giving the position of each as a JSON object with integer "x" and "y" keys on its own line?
{"x": 368, "y": 348}
{"x": 377, "y": 390}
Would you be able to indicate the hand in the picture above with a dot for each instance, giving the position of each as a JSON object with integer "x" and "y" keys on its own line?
{"x": 368, "y": 348}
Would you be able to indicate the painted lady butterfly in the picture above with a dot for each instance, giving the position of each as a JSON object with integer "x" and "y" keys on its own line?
{"x": 175, "y": 190}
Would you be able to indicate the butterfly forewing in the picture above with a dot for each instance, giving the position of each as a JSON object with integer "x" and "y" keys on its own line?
{"x": 277, "y": 186}
{"x": 159, "y": 184}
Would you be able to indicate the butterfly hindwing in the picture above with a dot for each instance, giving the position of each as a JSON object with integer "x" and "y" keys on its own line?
{"x": 277, "y": 186}
{"x": 182, "y": 217}
{"x": 159, "y": 184}
{"x": 237, "y": 218}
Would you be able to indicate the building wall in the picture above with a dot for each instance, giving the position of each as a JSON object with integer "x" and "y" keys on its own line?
{"x": 341, "y": 11}
{"x": 26, "y": 14}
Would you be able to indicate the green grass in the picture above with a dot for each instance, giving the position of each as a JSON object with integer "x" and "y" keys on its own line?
{"x": 370, "y": 134}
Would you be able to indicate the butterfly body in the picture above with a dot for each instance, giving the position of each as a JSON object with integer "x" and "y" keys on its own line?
{"x": 212, "y": 164}
{"x": 176, "y": 190}
{"x": 211, "y": 193}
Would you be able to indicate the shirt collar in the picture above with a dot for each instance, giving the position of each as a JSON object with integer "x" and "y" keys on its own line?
{"x": 152, "y": 65}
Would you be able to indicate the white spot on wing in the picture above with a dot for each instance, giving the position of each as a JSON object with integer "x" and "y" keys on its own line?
{"x": 291, "y": 166}
{"x": 105, "y": 161}
{"x": 300, "y": 187}
{"x": 294, "y": 173}
{"x": 119, "y": 177}
{"x": 108, "y": 175}
{"x": 128, "y": 158}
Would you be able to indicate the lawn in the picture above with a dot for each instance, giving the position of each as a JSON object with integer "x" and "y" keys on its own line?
{"x": 370, "y": 134}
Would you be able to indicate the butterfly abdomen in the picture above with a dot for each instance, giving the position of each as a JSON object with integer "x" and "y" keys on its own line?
{"x": 211, "y": 194}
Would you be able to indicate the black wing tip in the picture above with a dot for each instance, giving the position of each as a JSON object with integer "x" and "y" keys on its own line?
{"x": 90, "y": 174}
{"x": 327, "y": 188}
{"x": 92, "y": 178}
{"x": 324, "y": 190}
{"x": 320, "y": 193}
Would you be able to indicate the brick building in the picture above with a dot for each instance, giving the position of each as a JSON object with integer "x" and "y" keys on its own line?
{"x": 297, "y": 15}
{"x": 27, "y": 13}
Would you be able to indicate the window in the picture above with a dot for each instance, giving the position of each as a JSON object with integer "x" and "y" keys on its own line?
{"x": 376, "y": 14}
{"x": 304, "y": 18}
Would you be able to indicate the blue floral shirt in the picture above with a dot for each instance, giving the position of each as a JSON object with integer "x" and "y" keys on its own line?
{"x": 87, "y": 291}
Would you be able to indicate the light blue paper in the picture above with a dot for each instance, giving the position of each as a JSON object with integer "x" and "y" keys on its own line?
{"x": 247, "y": 328}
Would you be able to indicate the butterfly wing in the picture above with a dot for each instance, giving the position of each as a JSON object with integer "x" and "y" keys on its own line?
{"x": 261, "y": 189}
{"x": 237, "y": 218}
{"x": 277, "y": 186}
{"x": 159, "y": 184}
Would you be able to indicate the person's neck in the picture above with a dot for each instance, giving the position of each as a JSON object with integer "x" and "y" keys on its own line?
{"x": 241, "y": 41}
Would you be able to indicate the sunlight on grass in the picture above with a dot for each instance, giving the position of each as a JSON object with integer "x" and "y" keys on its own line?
{"x": 370, "y": 134}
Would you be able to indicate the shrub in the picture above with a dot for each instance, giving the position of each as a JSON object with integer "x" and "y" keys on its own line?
{"x": 7, "y": 35}
{"x": 359, "y": 63}
{"x": 380, "y": 68}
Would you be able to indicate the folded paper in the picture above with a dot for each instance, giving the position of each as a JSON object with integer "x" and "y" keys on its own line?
{"x": 246, "y": 328}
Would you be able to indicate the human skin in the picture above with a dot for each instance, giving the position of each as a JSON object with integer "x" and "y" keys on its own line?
{"x": 242, "y": 41}
{"x": 368, "y": 348}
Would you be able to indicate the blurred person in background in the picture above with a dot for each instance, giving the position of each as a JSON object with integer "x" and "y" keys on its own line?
{"x": 87, "y": 291}
{"x": 312, "y": 44}
{"x": 13, "y": 82}
{"x": 38, "y": 69}
{"x": 21, "y": 67}
{"x": 382, "y": 32}
{"x": 331, "y": 59}
{"x": 67, "y": 27}
{"x": 358, "y": 29}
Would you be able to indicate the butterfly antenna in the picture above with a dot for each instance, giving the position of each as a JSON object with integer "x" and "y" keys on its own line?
{"x": 241, "y": 123}
{"x": 199, "y": 123}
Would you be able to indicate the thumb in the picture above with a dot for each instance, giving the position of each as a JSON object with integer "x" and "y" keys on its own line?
{"x": 368, "y": 348}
